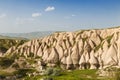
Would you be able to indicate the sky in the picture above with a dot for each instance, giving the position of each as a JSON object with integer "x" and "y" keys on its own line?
{"x": 19, "y": 16}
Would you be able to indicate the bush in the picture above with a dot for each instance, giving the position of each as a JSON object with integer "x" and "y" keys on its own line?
{"x": 53, "y": 72}
{"x": 49, "y": 71}
{"x": 22, "y": 72}
{"x": 2, "y": 77}
{"x": 56, "y": 72}
{"x": 6, "y": 62}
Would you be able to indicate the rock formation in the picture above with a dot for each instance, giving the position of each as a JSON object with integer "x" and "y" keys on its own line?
{"x": 85, "y": 49}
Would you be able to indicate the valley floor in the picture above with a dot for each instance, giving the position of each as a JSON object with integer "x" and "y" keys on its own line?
{"x": 72, "y": 75}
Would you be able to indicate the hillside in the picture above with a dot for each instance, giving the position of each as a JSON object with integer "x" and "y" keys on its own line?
{"x": 31, "y": 35}
{"x": 85, "y": 49}
{"x": 16, "y": 38}
{"x": 8, "y": 42}
{"x": 54, "y": 55}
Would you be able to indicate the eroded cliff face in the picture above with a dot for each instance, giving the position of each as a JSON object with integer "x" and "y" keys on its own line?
{"x": 88, "y": 49}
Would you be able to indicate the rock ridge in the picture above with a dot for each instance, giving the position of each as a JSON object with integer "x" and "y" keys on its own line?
{"x": 85, "y": 49}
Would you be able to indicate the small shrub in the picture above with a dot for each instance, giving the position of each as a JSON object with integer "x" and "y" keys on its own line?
{"x": 56, "y": 72}
{"x": 49, "y": 71}
{"x": 2, "y": 77}
{"x": 6, "y": 62}
{"x": 3, "y": 49}
{"x": 22, "y": 72}
{"x": 53, "y": 72}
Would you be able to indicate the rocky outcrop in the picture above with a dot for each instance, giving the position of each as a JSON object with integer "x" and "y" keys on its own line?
{"x": 85, "y": 49}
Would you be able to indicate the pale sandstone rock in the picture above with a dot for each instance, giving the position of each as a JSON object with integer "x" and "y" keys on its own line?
{"x": 60, "y": 51}
{"x": 118, "y": 45}
{"x": 82, "y": 62}
{"x": 53, "y": 57}
{"x": 11, "y": 49}
{"x": 87, "y": 47}
{"x": 45, "y": 55}
{"x": 93, "y": 61}
{"x": 87, "y": 56}
{"x": 111, "y": 57}
{"x": 75, "y": 56}
{"x": 105, "y": 49}
{"x": 40, "y": 52}
{"x": 68, "y": 44}
{"x": 63, "y": 60}
{"x": 75, "y": 48}
{"x": 69, "y": 62}
{"x": 80, "y": 46}
{"x": 92, "y": 44}
{"x": 94, "y": 37}
{"x": 66, "y": 53}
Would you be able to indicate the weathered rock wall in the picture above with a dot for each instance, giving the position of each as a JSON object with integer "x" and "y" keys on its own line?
{"x": 90, "y": 49}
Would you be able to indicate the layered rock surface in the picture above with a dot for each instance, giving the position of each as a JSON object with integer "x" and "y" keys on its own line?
{"x": 85, "y": 49}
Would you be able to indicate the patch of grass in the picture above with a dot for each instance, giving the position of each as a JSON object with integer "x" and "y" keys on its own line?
{"x": 31, "y": 61}
{"x": 98, "y": 47}
{"x": 4, "y": 73}
{"x": 77, "y": 75}
{"x": 71, "y": 75}
{"x": 33, "y": 78}
{"x": 84, "y": 39}
{"x": 108, "y": 38}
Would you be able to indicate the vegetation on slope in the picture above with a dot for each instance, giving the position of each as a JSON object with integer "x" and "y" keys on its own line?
{"x": 74, "y": 75}
{"x": 5, "y": 44}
